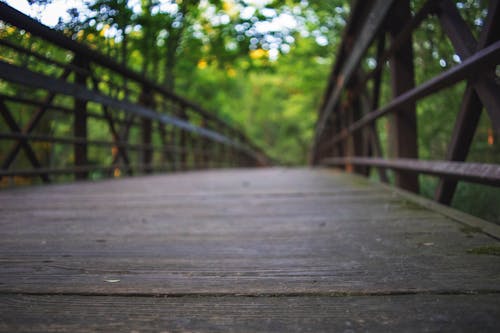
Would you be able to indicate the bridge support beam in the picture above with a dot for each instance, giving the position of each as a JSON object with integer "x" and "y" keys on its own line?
{"x": 80, "y": 122}
{"x": 147, "y": 100}
{"x": 183, "y": 140}
{"x": 481, "y": 92}
{"x": 356, "y": 143}
{"x": 403, "y": 122}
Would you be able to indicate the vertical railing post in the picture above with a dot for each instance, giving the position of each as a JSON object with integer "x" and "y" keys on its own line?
{"x": 228, "y": 151}
{"x": 147, "y": 99}
{"x": 197, "y": 141}
{"x": 174, "y": 142}
{"x": 335, "y": 128}
{"x": 320, "y": 151}
{"x": 355, "y": 112}
{"x": 183, "y": 140}
{"x": 165, "y": 156}
{"x": 243, "y": 158}
{"x": 403, "y": 122}
{"x": 213, "y": 148}
{"x": 343, "y": 146}
{"x": 80, "y": 150}
{"x": 204, "y": 147}
{"x": 219, "y": 150}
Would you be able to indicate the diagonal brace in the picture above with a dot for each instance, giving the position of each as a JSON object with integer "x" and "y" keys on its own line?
{"x": 4, "y": 111}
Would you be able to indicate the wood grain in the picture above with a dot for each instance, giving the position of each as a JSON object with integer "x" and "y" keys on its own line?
{"x": 265, "y": 233}
{"x": 421, "y": 313}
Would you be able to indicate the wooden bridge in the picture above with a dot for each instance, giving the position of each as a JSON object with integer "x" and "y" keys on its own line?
{"x": 214, "y": 244}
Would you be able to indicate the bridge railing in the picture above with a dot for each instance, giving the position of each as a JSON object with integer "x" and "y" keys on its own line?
{"x": 52, "y": 108}
{"x": 346, "y": 132}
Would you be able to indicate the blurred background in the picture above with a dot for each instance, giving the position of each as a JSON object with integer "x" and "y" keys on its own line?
{"x": 262, "y": 65}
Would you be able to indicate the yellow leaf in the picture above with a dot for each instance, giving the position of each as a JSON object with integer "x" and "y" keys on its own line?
{"x": 258, "y": 54}
{"x": 231, "y": 72}
{"x": 202, "y": 64}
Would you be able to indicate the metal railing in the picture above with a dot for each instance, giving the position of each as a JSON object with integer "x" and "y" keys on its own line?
{"x": 143, "y": 126}
{"x": 346, "y": 131}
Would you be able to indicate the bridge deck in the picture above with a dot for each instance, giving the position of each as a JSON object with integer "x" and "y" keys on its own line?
{"x": 240, "y": 250}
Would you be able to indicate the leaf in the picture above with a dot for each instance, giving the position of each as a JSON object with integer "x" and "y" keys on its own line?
{"x": 112, "y": 280}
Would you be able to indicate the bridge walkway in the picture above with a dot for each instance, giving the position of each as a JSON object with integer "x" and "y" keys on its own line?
{"x": 274, "y": 250}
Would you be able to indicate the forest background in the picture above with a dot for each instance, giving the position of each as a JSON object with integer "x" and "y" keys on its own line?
{"x": 263, "y": 66}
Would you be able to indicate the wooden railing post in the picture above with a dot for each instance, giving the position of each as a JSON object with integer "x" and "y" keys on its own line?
{"x": 356, "y": 140}
{"x": 204, "y": 147}
{"x": 147, "y": 99}
{"x": 229, "y": 154}
{"x": 210, "y": 150}
{"x": 403, "y": 122}
{"x": 173, "y": 135}
{"x": 183, "y": 141}
{"x": 321, "y": 150}
{"x": 243, "y": 158}
{"x": 478, "y": 93}
{"x": 219, "y": 150}
{"x": 80, "y": 121}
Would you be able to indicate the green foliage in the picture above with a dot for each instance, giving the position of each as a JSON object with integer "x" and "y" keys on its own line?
{"x": 262, "y": 66}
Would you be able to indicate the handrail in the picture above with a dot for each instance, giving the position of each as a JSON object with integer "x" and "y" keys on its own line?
{"x": 22, "y": 21}
{"x": 184, "y": 144}
{"x": 346, "y": 134}
{"x": 28, "y": 78}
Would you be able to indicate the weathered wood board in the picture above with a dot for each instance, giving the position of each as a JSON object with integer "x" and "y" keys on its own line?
{"x": 306, "y": 243}
{"x": 418, "y": 313}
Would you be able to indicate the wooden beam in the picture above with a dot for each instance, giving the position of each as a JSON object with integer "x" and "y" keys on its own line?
{"x": 80, "y": 122}
{"x": 403, "y": 122}
{"x": 22, "y": 21}
{"x": 32, "y": 123}
{"x": 481, "y": 173}
{"x": 470, "y": 67}
{"x": 355, "y": 112}
{"x": 365, "y": 37}
{"x": 465, "y": 45}
{"x": 28, "y": 78}
{"x": 183, "y": 141}
{"x": 476, "y": 92}
{"x": 30, "y": 154}
{"x": 147, "y": 99}
{"x": 427, "y": 9}
{"x": 463, "y": 133}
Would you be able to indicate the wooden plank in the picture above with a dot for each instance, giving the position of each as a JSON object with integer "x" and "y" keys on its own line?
{"x": 421, "y": 313}
{"x": 233, "y": 232}
{"x": 470, "y": 222}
